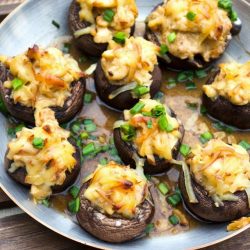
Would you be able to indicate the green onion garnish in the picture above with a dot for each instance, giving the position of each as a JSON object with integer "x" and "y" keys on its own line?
{"x": 205, "y": 137}
{"x": 87, "y": 98}
{"x": 171, "y": 83}
{"x": 163, "y": 49}
{"x": 119, "y": 37}
{"x": 158, "y": 96}
{"x": 149, "y": 228}
{"x": 38, "y": 142}
{"x": 191, "y": 16}
{"x": 90, "y": 127}
{"x": 163, "y": 188}
{"x": 137, "y": 108}
{"x": 185, "y": 149}
{"x": 200, "y": 73}
{"x": 174, "y": 220}
{"x": 148, "y": 177}
{"x": 45, "y": 202}
{"x": 88, "y": 149}
{"x": 87, "y": 121}
{"x": 128, "y": 132}
{"x": 185, "y": 76}
{"x": 17, "y": 83}
{"x": 66, "y": 48}
{"x": 190, "y": 85}
{"x": 171, "y": 37}
{"x": 164, "y": 125}
{"x": 174, "y": 199}
{"x": 13, "y": 130}
{"x": 74, "y": 191}
{"x": 57, "y": 25}
{"x": 103, "y": 161}
{"x": 233, "y": 15}
{"x": 108, "y": 15}
{"x": 222, "y": 127}
{"x": 149, "y": 124}
{"x": 84, "y": 135}
{"x": 75, "y": 127}
{"x": 158, "y": 111}
{"x": 225, "y": 4}
{"x": 74, "y": 205}
{"x": 245, "y": 144}
{"x": 203, "y": 110}
{"x": 140, "y": 90}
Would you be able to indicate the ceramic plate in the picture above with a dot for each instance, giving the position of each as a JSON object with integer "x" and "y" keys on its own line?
{"x": 31, "y": 23}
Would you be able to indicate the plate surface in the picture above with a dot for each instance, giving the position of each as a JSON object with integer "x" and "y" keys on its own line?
{"x": 31, "y": 23}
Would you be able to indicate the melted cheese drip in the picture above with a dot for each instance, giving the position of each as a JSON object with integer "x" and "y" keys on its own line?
{"x": 133, "y": 62}
{"x": 116, "y": 189}
{"x": 45, "y": 167}
{"x": 47, "y": 76}
{"x": 125, "y": 13}
{"x": 207, "y": 34}
{"x": 220, "y": 168}
{"x": 233, "y": 83}
{"x": 153, "y": 141}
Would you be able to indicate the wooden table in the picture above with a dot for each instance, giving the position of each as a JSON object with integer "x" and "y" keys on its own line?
{"x": 18, "y": 230}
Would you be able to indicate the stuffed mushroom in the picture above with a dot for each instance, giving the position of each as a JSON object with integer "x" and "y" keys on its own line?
{"x": 216, "y": 182}
{"x": 43, "y": 158}
{"x": 115, "y": 204}
{"x": 94, "y": 23}
{"x": 149, "y": 131}
{"x": 192, "y": 34}
{"x": 227, "y": 94}
{"x": 41, "y": 78}
{"x": 128, "y": 72}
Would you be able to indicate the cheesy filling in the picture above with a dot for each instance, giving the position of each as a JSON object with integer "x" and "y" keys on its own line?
{"x": 233, "y": 83}
{"x": 149, "y": 139}
{"x": 124, "y": 15}
{"x": 205, "y": 33}
{"x": 47, "y": 166}
{"x": 220, "y": 168}
{"x": 116, "y": 189}
{"x": 133, "y": 62}
{"x": 46, "y": 77}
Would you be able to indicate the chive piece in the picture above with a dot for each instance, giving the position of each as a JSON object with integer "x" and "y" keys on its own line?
{"x": 17, "y": 83}
{"x": 185, "y": 76}
{"x": 75, "y": 127}
{"x": 158, "y": 96}
{"x": 245, "y": 144}
{"x": 192, "y": 105}
{"x": 222, "y": 127}
{"x": 84, "y": 135}
{"x": 163, "y": 188}
{"x": 128, "y": 132}
{"x": 148, "y": 176}
{"x": 190, "y": 85}
{"x": 90, "y": 127}
{"x": 74, "y": 191}
{"x": 38, "y": 142}
{"x": 103, "y": 161}
{"x": 225, "y": 4}
{"x": 108, "y": 15}
{"x": 45, "y": 202}
{"x": 205, "y": 137}
{"x": 87, "y": 98}
{"x": 74, "y": 205}
{"x": 191, "y": 16}
{"x": 119, "y": 37}
{"x": 164, "y": 49}
{"x": 174, "y": 199}
{"x": 149, "y": 124}
{"x": 203, "y": 110}
{"x": 83, "y": 59}
{"x": 11, "y": 132}
{"x": 233, "y": 16}
{"x": 173, "y": 219}
{"x": 200, "y": 73}
{"x": 171, "y": 37}
{"x": 19, "y": 127}
{"x": 185, "y": 149}
{"x": 158, "y": 111}
{"x": 3, "y": 108}
{"x": 140, "y": 90}
{"x": 137, "y": 108}
{"x": 149, "y": 228}
{"x": 56, "y": 24}
{"x": 66, "y": 48}
{"x": 88, "y": 149}
{"x": 171, "y": 83}
{"x": 164, "y": 125}
{"x": 87, "y": 121}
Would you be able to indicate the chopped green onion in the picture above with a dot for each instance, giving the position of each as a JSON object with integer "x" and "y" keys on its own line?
{"x": 13, "y": 130}
{"x": 163, "y": 49}
{"x": 137, "y": 108}
{"x": 163, "y": 188}
{"x": 57, "y": 25}
{"x": 171, "y": 83}
{"x": 171, "y": 37}
{"x": 140, "y": 90}
{"x": 103, "y": 161}
{"x": 19, "y": 127}
{"x": 185, "y": 149}
{"x": 74, "y": 205}
{"x": 87, "y": 98}
{"x": 17, "y": 83}
{"x": 74, "y": 191}
{"x": 174, "y": 199}
{"x": 149, "y": 228}
{"x": 149, "y": 124}
{"x": 233, "y": 15}
{"x": 222, "y": 127}
{"x": 87, "y": 121}
{"x": 191, "y": 16}
{"x": 119, "y": 37}
{"x": 88, "y": 149}
{"x": 245, "y": 144}
{"x": 164, "y": 125}
{"x": 148, "y": 177}
{"x": 158, "y": 111}
{"x": 83, "y": 59}
{"x": 38, "y": 142}
{"x": 192, "y": 105}
{"x": 75, "y": 127}
{"x": 66, "y": 48}
{"x": 84, "y": 135}
{"x": 225, "y": 4}
{"x": 174, "y": 220}
{"x": 158, "y": 96}
{"x": 45, "y": 202}
{"x": 200, "y": 73}
{"x": 190, "y": 85}
{"x": 185, "y": 76}
{"x": 91, "y": 127}
{"x": 205, "y": 137}
{"x": 128, "y": 132}
{"x": 108, "y": 15}
{"x": 203, "y": 110}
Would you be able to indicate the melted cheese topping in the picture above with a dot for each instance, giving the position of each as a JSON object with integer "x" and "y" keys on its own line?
{"x": 125, "y": 13}
{"x": 233, "y": 83}
{"x": 116, "y": 189}
{"x": 46, "y": 75}
{"x": 220, "y": 168}
{"x": 207, "y": 34}
{"x": 45, "y": 167}
{"x": 153, "y": 141}
{"x": 133, "y": 62}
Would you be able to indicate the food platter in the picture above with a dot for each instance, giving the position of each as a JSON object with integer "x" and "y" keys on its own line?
{"x": 31, "y": 24}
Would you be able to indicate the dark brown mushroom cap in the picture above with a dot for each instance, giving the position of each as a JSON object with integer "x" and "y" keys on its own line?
{"x": 63, "y": 114}
{"x": 126, "y": 151}
{"x": 207, "y": 211}
{"x": 112, "y": 229}
{"x": 20, "y": 174}
{"x": 125, "y": 100}
{"x": 187, "y": 64}
{"x": 225, "y": 111}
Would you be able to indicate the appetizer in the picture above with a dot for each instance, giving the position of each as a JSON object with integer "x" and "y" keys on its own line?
{"x": 150, "y": 131}
{"x": 227, "y": 94}
{"x": 220, "y": 182}
{"x": 127, "y": 72}
{"x": 41, "y": 78}
{"x": 115, "y": 204}
{"x": 94, "y": 23}
{"x": 192, "y": 34}
{"x": 43, "y": 158}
